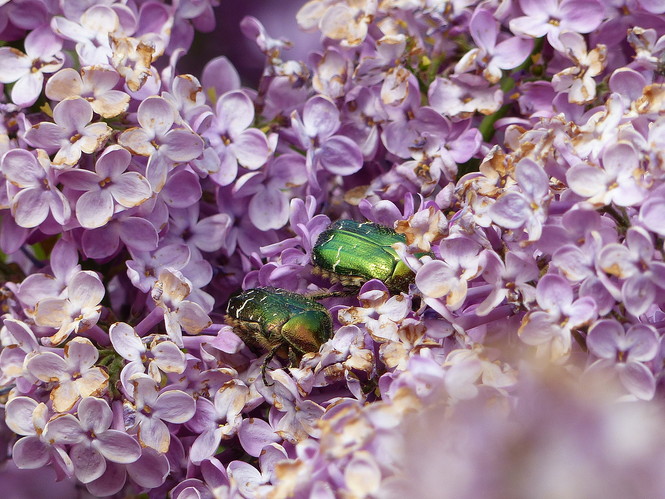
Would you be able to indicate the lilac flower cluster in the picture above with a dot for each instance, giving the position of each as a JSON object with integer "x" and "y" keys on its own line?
{"x": 517, "y": 146}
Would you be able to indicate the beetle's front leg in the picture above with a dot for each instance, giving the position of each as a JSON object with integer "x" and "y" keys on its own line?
{"x": 294, "y": 358}
{"x": 269, "y": 357}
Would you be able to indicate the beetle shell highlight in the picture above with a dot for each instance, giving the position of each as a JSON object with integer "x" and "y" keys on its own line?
{"x": 281, "y": 322}
{"x": 353, "y": 252}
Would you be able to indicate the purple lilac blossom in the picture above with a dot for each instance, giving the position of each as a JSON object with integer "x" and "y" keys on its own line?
{"x": 516, "y": 147}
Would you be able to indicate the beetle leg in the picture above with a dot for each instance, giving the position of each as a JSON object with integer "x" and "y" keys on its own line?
{"x": 264, "y": 366}
{"x": 293, "y": 357}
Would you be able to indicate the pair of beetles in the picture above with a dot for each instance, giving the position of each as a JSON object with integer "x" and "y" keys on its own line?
{"x": 289, "y": 324}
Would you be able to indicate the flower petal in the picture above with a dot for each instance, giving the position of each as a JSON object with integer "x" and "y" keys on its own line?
{"x": 95, "y": 415}
{"x": 126, "y": 342}
{"x": 638, "y": 380}
{"x": 117, "y": 446}
{"x": 94, "y": 208}
{"x": 30, "y": 453}
{"x": 174, "y": 406}
{"x": 255, "y": 434}
{"x": 89, "y": 464}
{"x": 65, "y": 429}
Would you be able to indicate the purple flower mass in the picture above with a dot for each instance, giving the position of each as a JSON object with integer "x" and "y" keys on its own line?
{"x": 159, "y": 157}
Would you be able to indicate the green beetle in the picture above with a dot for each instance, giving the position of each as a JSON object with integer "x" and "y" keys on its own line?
{"x": 352, "y": 253}
{"x": 280, "y": 322}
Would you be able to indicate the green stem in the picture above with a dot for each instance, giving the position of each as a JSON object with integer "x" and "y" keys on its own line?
{"x": 620, "y": 218}
{"x": 487, "y": 125}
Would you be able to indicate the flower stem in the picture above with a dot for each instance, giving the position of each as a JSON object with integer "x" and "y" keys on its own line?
{"x": 97, "y": 334}
{"x": 470, "y": 321}
{"x": 151, "y": 320}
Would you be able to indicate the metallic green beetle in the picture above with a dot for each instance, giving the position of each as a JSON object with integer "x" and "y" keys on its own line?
{"x": 352, "y": 253}
{"x": 280, "y": 322}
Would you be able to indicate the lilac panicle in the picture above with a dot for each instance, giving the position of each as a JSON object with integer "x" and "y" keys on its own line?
{"x": 516, "y": 148}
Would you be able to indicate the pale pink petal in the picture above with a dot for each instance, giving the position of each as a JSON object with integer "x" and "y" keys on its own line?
{"x": 111, "y": 103}
{"x": 483, "y": 29}
{"x": 14, "y": 64}
{"x": 553, "y": 293}
{"x": 340, "y": 155}
{"x": 255, "y": 434}
{"x": 89, "y": 464}
{"x": 320, "y": 117}
{"x": 236, "y": 111}
{"x": 182, "y": 189}
{"x": 638, "y": 380}
{"x": 173, "y": 328}
{"x": 150, "y": 470}
{"x": 59, "y": 206}
{"x": 138, "y": 234}
{"x": 531, "y": 26}
{"x": 154, "y": 433}
{"x": 230, "y": 399}
{"x": 512, "y": 52}
{"x": 80, "y": 180}
{"x": 228, "y": 168}
{"x": 94, "y": 137}
{"x": 137, "y": 140}
{"x": 157, "y": 170}
{"x": 168, "y": 357}
{"x": 93, "y": 382}
{"x": 27, "y": 89}
{"x": 18, "y": 415}
{"x": 126, "y": 342}
{"x": 111, "y": 482}
{"x": 85, "y": 289}
{"x": 46, "y": 135}
{"x": 246, "y": 476}
{"x": 131, "y": 189}
{"x": 22, "y": 334}
{"x": 113, "y": 162}
{"x": 582, "y": 17}
{"x": 362, "y": 475}
{"x": 604, "y": 337}
{"x": 73, "y": 114}
{"x": 192, "y": 317}
{"x": 22, "y": 169}
{"x": 209, "y": 234}
{"x": 537, "y": 329}
{"x": 434, "y": 278}
{"x": 251, "y": 149}
{"x": 95, "y": 415}
{"x": 30, "y": 207}
{"x": 156, "y": 116}
{"x": 81, "y": 354}
{"x": 205, "y": 445}
{"x": 269, "y": 209}
{"x": 65, "y": 429}
{"x": 65, "y": 83}
{"x": 51, "y": 312}
{"x": 128, "y": 372}
{"x": 181, "y": 145}
{"x": 174, "y": 406}
{"x": 48, "y": 366}
{"x": 64, "y": 396}
{"x": 643, "y": 342}
{"x": 30, "y": 453}
{"x": 94, "y": 208}
{"x": 117, "y": 446}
